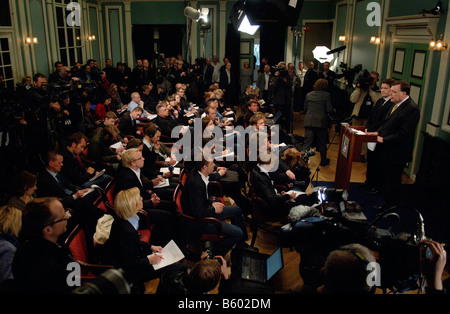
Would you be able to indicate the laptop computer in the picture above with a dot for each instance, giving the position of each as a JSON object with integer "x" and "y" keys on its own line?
{"x": 260, "y": 267}
{"x": 275, "y": 119}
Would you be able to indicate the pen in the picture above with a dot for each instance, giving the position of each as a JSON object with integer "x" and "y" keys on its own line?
{"x": 160, "y": 256}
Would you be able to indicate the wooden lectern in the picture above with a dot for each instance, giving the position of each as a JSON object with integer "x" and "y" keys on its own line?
{"x": 352, "y": 138}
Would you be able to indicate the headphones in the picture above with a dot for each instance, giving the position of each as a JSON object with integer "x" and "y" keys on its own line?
{"x": 153, "y": 132}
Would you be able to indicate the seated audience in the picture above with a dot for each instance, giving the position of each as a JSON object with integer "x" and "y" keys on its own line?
{"x": 10, "y": 226}
{"x": 124, "y": 249}
{"x": 195, "y": 202}
{"x": 40, "y": 263}
{"x": 24, "y": 189}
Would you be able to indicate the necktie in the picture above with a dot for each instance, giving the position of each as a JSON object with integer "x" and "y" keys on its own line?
{"x": 393, "y": 109}
{"x": 58, "y": 178}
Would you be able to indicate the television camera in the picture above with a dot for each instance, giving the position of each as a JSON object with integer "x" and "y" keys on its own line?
{"x": 349, "y": 73}
{"x": 342, "y": 222}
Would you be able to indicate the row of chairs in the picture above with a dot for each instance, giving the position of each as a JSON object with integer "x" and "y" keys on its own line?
{"x": 78, "y": 245}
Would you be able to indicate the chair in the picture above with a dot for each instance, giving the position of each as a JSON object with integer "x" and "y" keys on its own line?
{"x": 79, "y": 248}
{"x": 106, "y": 203}
{"x": 259, "y": 217}
{"x": 191, "y": 224}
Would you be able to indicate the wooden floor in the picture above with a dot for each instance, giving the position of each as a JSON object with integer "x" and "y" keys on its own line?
{"x": 267, "y": 242}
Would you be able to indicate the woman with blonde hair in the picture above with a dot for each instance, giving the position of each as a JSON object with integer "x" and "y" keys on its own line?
{"x": 124, "y": 249}
{"x": 10, "y": 226}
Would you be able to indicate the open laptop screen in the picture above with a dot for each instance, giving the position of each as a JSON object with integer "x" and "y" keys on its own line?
{"x": 274, "y": 263}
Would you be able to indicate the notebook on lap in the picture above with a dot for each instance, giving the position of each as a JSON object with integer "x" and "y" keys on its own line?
{"x": 261, "y": 268}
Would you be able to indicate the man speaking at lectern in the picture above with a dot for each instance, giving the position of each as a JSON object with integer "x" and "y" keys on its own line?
{"x": 395, "y": 140}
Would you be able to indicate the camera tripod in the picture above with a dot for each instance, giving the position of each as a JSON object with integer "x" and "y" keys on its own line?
{"x": 316, "y": 172}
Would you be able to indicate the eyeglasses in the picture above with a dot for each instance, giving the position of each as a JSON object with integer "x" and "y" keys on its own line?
{"x": 67, "y": 215}
{"x": 139, "y": 158}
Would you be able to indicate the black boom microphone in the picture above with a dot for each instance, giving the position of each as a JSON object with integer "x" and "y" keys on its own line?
{"x": 336, "y": 50}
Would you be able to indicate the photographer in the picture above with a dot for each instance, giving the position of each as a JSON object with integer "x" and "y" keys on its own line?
{"x": 344, "y": 272}
{"x": 363, "y": 98}
{"x": 203, "y": 277}
{"x": 298, "y": 165}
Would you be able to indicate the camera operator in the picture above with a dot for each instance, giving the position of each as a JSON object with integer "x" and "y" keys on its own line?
{"x": 344, "y": 272}
{"x": 363, "y": 98}
{"x": 201, "y": 278}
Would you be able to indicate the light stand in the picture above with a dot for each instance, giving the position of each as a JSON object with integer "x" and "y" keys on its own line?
{"x": 296, "y": 35}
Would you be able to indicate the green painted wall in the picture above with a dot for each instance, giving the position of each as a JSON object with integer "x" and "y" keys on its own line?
{"x": 363, "y": 52}
{"x": 37, "y": 25}
{"x": 93, "y": 22}
{"x": 157, "y": 13}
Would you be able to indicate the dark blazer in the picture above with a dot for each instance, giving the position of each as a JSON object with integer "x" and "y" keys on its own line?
{"x": 125, "y": 250}
{"x": 47, "y": 186}
{"x": 261, "y": 81}
{"x": 39, "y": 267}
{"x": 73, "y": 170}
{"x": 398, "y": 130}
{"x": 378, "y": 113}
{"x": 311, "y": 77}
{"x": 166, "y": 125}
{"x": 127, "y": 179}
{"x": 150, "y": 170}
{"x": 317, "y": 106}
{"x": 264, "y": 188}
{"x": 207, "y": 77}
{"x": 128, "y": 126}
{"x": 194, "y": 199}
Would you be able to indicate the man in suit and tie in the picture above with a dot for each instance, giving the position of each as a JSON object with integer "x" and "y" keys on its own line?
{"x": 161, "y": 212}
{"x": 374, "y": 121}
{"x": 263, "y": 82}
{"x": 52, "y": 183}
{"x": 395, "y": 140}
{"x": 195, "y": 202}
{"x": 128, "y": 123}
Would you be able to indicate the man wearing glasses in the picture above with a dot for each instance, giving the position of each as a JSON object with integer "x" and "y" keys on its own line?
{"x": 395, "y": 141}
{"x": 40, "y": 263}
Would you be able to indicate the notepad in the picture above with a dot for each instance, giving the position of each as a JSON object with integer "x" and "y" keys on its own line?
{"x": 162, "y": 184}
{"x": 116, "y": 145}
{"x": 166, "y": 169}
{"x": 98, "y": 175}
{"x": 171, "y": 254}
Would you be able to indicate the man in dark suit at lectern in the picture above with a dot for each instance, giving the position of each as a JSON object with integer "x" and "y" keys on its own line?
{"x": 395, "y": 141}
{"x": 374, "y": 121}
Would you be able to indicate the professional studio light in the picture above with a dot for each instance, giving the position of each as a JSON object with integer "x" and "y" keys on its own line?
{"x": 196, "y": 15}
{"x": 246, "y": 27}
{"x": 240, "y": 19}
{"x": 320, "y": 54}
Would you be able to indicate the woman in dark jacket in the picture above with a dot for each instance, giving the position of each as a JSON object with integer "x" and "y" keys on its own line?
{"x": 317, "y": 107}
{"x": 124, "y": 249}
